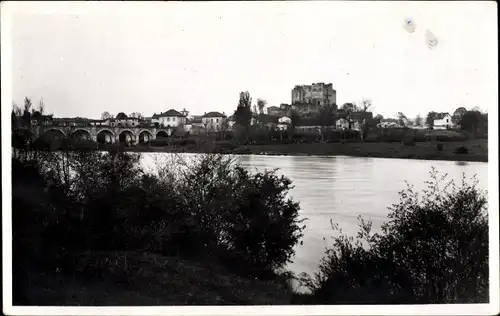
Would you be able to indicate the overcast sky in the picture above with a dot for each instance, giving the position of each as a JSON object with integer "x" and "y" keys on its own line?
{"x": 85, "y": 58}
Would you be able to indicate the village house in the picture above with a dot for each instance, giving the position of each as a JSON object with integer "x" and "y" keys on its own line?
{"x": 194, "y": 125}
{"x": 443, "y": 121}
{"x": 265, "y": 120}
{"x": 275, "y": 111}
{"x": 388, "y": 123}
{"x": 214, "y": 121}
{"x": 284, "y": 123}
{"x": 170, "y": 118}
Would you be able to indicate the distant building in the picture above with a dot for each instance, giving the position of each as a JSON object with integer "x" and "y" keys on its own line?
{"x": 214, "y": 121}
{"x": 266, "y": 120}
{"x": 443, "y": 121}
{"x": 274, "y": 111}
{"x": 170, "y": 118}
{"x": 388, "y": 123}
{"x": 284, "y": 123}
{"x": 316, "y": 94}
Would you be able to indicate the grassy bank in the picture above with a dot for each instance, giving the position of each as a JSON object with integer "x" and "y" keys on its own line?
{"x": 477, "y": 149}
{"x": 133, "y": 278}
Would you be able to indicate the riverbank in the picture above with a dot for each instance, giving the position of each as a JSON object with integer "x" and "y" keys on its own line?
{"x": 141, "y": 279}
{"x": 477, "y": 150}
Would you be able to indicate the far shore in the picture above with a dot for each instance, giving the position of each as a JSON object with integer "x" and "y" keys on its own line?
{"x": 477, "y": 150}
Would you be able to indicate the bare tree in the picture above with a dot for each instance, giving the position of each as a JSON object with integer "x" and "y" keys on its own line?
{"x": 17, "y": 109}
{"x": 418, "y": 120}
{"x": 224, "y": 126}
{"x": 261, "y": 103}
{"x": 41, "y": 106}
{"x": 364, "y": 105}
{"x": 136, "y": 115}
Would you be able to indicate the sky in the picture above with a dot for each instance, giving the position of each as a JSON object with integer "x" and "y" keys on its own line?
{"x": 86, "y": 58}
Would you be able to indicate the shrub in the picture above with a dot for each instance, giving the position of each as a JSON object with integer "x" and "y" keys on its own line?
{"x": 210, "y": 208}
{"x": 431, "y": 250}
{"x": 461, "y": 150}
{"x": 246, "y": 217}
{"x": 439, "y": 147}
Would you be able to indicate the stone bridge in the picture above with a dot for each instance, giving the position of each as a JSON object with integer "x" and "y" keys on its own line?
{"x": 104, "y": 134}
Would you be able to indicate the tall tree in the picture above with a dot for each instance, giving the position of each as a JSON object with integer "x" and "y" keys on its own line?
{"x": 366, "y": 122}
{"x": 294, "y": 122}
{"x": 418, "y": 120}
{"x": 261, "y": 103}
{"x": 41, "y": 106}
{"x": 326, "y": 118}
{"x": 13, "y": 120}
{"x": 243, "y": 113}
{"x": 431, "y": 116}
{"x": 458, "y": 114}
{"x": 26, "y": 118}
{"x": 349, "y": 108}
{"x": 472, "y": 121}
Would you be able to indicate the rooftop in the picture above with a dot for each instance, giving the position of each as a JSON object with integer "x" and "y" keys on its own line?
{"x": 170, "y": 112}
{"x": 213, "y": 114}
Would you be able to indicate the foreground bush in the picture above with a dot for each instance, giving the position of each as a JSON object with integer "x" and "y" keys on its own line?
{"x": 433, "y": 249}
{"x": 212, "y": 209}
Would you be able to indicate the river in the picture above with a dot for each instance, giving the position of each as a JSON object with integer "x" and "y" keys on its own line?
{"x": 341, "y": 188}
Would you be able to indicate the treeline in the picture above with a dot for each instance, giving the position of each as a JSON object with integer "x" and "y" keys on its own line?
{"x": 433, "y": 249}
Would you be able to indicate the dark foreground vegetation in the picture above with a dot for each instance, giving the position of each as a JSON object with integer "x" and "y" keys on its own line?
{"x": 93, "y": 228}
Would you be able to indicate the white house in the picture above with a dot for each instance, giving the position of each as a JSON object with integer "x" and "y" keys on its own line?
{"x": 443, "y": 121}
{"x": 214, "y": 121}
{"x": 283, "y": 123}
{"x": 171, "y": 118}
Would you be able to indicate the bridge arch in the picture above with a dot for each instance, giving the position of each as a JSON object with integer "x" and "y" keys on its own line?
{"x": 144, "y": 136}
{"x": 54, "y": 129}
{"x": 126, "y": 137}
{"x": 51, "y": 138}
{"x": 165, "y": 132}
{"x": 81, "y": 134}
{"x": 105, "y": 136}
